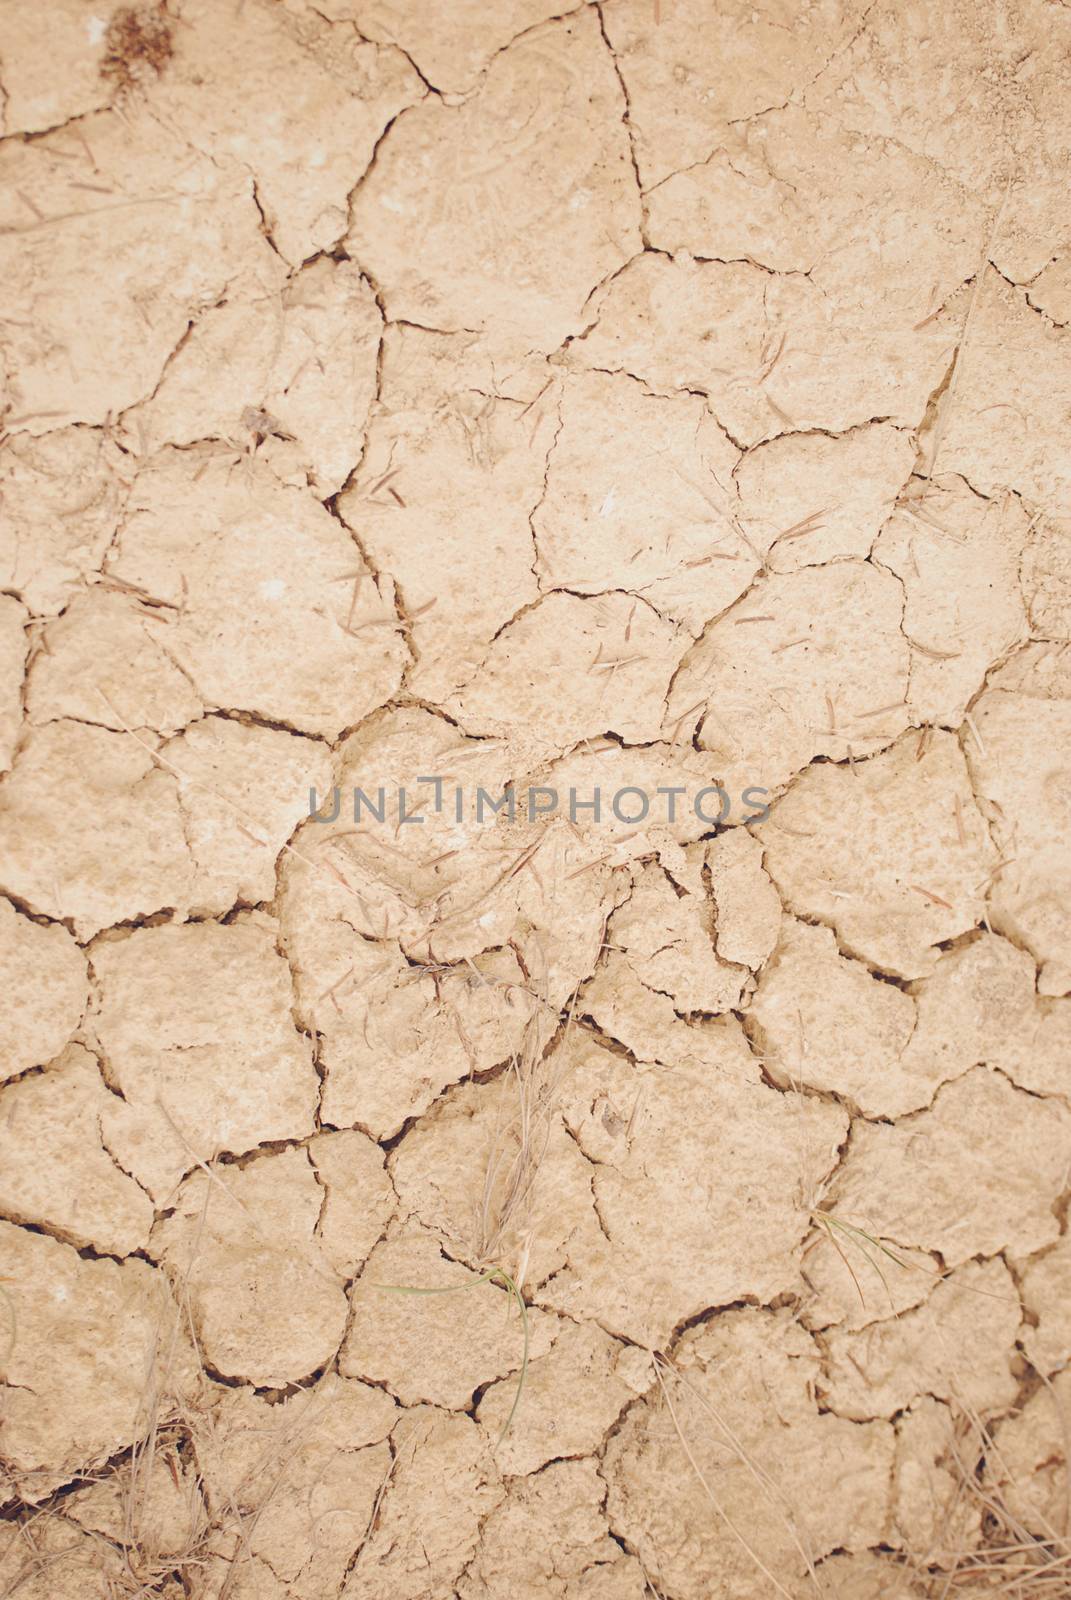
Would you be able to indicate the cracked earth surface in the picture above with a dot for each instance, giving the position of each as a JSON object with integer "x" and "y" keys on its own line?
{"x": 644, "y": 393}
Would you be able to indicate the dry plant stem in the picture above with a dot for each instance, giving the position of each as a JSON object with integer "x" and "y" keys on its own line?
{"x": 1065, "y": 1428}
{"x": 1023, "y": 1562}
{"x": 143, "y": 1452}
{"x": 711, "y": 1496}
{"x": 945, "y": 405}
{"x": 530, "y": 1128}
{"x": 770, "y": 1488}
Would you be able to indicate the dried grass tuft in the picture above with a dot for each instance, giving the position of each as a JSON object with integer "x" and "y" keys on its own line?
{"x": 1025, "y": 1562}
{"x": 137, "y": 45}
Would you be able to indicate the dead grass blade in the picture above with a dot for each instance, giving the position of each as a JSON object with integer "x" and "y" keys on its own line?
{"x": 711, "y": 1496}
{"x": 945, "y": 404}
{"x": 771, "y": 1489}
{"x": 1028, "y": 1563}
{"x": 519, "y": 1144}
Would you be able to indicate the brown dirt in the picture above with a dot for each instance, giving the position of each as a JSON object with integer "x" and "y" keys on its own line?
{"x": 649, "y": 395}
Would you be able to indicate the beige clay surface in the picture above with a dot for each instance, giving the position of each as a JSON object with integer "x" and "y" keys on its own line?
{"x": 617, "y": 1203}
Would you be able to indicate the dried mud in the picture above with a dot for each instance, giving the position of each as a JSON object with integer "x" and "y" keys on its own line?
{"x": 646, "y": 394}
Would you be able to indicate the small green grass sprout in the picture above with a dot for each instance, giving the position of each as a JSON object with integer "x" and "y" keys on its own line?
{"x": 492, "y": 1275}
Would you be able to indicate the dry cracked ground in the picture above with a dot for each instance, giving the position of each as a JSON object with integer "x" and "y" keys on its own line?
{"x": 646, "y": 396}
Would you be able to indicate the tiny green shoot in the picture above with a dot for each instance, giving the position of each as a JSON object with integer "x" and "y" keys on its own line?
{"x": 861, "y": 1239}
{"x": 492, "y": 1275}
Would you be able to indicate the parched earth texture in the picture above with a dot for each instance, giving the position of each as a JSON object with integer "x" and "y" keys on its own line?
{"x": 647, "y": 395}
